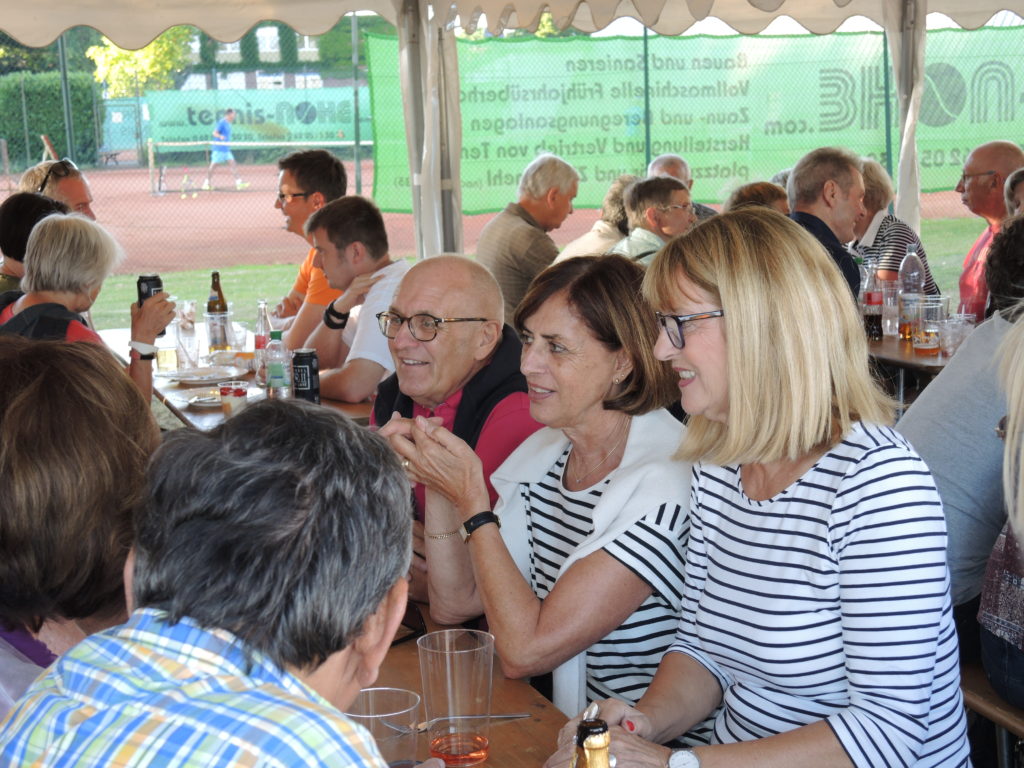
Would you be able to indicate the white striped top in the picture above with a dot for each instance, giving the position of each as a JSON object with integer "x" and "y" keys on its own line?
{"x": 621, "y": 664}
{"x": 829, "y": 601}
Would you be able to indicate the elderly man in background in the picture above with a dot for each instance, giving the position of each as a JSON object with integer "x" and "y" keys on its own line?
{"x": 267, "y": 587}
{"x": 307, "y": 181}
{"x": 455, "y": 360}
{"x": 826, "y": 197}
{"x": 60, "y": 180}
{"x": 515, "y": 244}
{"x": 609, "y": 229}
{"x": 659, "y": 208}
{"x": 981, "y": 190}
{"x": 677, "y": 168}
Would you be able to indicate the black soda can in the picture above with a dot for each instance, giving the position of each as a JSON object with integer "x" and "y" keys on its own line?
{"x": 149, "y": 285}
{"x": 306, "y": 375}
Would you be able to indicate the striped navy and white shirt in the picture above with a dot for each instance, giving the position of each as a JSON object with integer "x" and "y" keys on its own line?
{"x": 829, "y": 601}
{"x": 621, "y": 664}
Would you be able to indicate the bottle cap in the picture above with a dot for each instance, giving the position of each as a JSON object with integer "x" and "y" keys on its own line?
{"x": 276, "y": 335}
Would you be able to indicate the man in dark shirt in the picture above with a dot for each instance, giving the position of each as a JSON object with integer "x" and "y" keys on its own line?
{"x": 826, "y": 195}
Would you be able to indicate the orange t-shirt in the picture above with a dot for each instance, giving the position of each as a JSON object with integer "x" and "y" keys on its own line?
{"x": 312, "y": 283}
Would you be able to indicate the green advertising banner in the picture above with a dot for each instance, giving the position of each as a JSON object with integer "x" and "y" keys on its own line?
{"x": 311, "y": 115}
{"x": 974, "y": 91}
{"x": 738, "y": 108}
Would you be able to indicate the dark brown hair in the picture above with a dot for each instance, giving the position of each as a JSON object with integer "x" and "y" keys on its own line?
{"x": 604, "y": 292}
{"x": 75, "y": 436}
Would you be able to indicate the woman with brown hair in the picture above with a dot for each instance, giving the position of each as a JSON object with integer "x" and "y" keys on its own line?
{"x": 75, "y": 437}
{"x": 584, "y": 575}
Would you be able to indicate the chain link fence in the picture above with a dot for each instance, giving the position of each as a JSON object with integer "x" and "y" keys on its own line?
{"x": 738, "y": 108}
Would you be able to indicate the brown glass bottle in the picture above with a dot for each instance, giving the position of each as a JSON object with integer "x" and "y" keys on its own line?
{"x": 217, "y": 315}
{"x": 592, "y": 740}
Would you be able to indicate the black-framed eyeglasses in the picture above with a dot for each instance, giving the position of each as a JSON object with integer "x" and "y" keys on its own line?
{"x": 422, "y": 326}
{"x": 287, "y": 197}
{"x": 59, "y": 170}
{"x": 676, "y": 330}
{"x": 965, "y": 176}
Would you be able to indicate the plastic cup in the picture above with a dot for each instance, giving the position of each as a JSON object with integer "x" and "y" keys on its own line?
{"x": 391, "y": 716}
{"x": 931, "y": 311}
{"x": 456, "y": 665}
{"x": 890, "y": 307}
{"x": 233, "y": 396}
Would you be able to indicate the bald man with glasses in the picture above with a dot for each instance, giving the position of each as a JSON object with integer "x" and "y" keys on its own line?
{"x": 456, "y": 361}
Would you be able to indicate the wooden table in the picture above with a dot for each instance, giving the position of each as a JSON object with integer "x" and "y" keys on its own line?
{"x": 894, "y": 351}
{"x": 523, "y": 743}
{"x": 176, "y": 396}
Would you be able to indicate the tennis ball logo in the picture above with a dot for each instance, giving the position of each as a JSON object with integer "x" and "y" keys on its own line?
{"x": 305, "y": 112}
{"x": 945, "y": 94}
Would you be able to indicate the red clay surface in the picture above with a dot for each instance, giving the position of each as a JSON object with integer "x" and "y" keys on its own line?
{"x": 225, "y": 227}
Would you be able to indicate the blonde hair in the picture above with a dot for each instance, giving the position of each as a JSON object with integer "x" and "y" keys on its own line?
{"x": 1011, "y": 374}
{"x": 878, "y": 189}
{"x": 796, "y": 353}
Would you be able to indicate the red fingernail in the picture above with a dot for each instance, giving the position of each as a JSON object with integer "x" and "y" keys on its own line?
{"x": 629, "y": 725}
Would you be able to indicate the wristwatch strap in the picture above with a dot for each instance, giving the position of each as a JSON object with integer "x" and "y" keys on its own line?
{"x": 477, "y": 520}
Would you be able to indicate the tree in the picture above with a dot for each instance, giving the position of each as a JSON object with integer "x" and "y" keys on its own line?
{"x": 335, "y": 45}
{"x": 151, "y": 68}
{"x": 15, "y": 57}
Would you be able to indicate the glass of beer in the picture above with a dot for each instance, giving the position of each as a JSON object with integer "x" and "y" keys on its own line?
{"x": 931, "y": 310}
{"x": 907, "y": 308}
{"x": 455, "y": 665}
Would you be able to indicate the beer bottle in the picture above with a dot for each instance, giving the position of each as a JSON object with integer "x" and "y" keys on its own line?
{"x": 592, "y": 740}
{"x": 217, "y": 316}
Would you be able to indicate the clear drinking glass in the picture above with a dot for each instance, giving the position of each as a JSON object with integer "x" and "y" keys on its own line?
{"x": 391, "y": 716}
{"x": 456, "y": 666}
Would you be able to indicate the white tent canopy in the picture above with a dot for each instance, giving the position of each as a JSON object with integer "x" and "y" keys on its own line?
{"x": 429, "y": 67}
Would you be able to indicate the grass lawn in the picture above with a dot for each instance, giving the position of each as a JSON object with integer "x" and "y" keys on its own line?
{"x": 945, "y": 240}
{"x": 243, "y": 286}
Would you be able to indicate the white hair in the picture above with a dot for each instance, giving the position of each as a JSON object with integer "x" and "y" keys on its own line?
{"x": 547, "y": 171}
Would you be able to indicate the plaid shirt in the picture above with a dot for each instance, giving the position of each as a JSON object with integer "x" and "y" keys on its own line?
{"x": 149, "y": 694}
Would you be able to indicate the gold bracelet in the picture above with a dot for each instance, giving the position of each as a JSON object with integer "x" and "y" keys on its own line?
{"x": 446, "y": 535}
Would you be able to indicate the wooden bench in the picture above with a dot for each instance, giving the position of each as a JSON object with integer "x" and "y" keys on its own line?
{"x": 108, "y": 156}
{"x": 981, "y": 698}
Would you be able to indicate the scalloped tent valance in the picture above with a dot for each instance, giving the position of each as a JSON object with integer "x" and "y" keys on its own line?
{"x": 134, "y": 23}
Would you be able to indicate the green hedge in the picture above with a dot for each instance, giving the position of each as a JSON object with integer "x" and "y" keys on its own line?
{"x": 46, "y": 115}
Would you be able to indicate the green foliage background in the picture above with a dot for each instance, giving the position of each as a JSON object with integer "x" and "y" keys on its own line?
{"x": 46, "y": 114}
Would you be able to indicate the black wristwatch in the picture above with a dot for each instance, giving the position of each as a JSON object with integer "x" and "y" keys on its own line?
{"x": 477, "y": 520}
{"x": 333, "y": 319}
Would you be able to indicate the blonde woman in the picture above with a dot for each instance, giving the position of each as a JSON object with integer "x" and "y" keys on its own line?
{"x": 816, "y": 627}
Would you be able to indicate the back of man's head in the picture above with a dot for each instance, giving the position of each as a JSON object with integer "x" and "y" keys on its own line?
{"x": 19, "y": 213}
{"x": 670, "y": 165}
{"x": 316, "y": 170}
{"x": 352, "y": 219}
{"x": 287, "y": 526}
{"x": 649, "y": 193}
{"x": 613, "y": 208}
{"x": 547, "y": 171}
{"x": 807, "y": 179}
